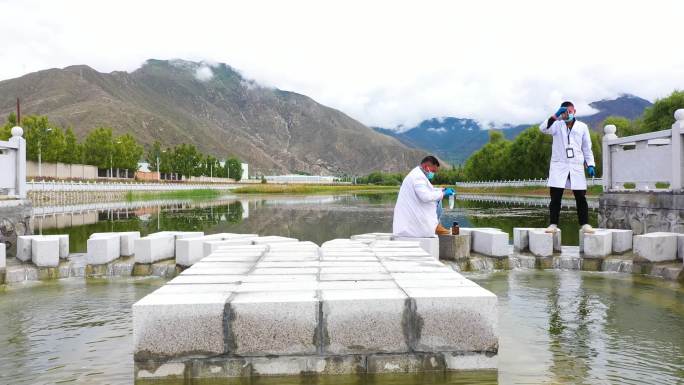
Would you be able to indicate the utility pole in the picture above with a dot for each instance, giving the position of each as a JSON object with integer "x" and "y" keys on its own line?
{"x": 18, "y": 113}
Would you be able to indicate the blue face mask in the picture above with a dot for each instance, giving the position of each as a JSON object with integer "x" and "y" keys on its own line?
{"x": 570, "y": 117}
{"x": 430, "y": 175}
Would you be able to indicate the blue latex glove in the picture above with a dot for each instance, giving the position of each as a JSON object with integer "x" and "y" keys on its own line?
{"x": 560, "y": 112}
{"x": 449, "y": 192}
{"x": 592, "y": 171}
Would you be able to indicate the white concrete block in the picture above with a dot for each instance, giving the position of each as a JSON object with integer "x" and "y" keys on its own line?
{"x": 211, "y": 246}
{"x": 598, "y": 244}
{"x": 430, "y": 245}
{"x": 103, "y": 249}
{"x": 63, "y": 244}
{"x": 398, "y": 242}
{"x": 154, "y": 247}
{"x": 493, "y": 243}
{"x": 233, "y": 257}
{"x": 463, "y": 319}
{"x": 557, "y": 243}
{"x": 622, "y": 240}
{"x": 206, "y": 279}
{"x": 177, "y": 234}
{"x": 126, "y": 238}
{"x": 581, "y": 237}
{"x": 540, "y": 243}
{"x": 274, "y": 323}
{"x": 3, "y": 255}
{"x": 521, "y": 238}
{"x": 364, "y": 321}
{"x": 656, "y": 247}
{"x": 24, "y": 247}
{"x": 343, "y": 243}
{"x": 292, "y": 246}
{"x": 273, "y": 239}
{"x": 179, "y": 324}
{"x": 45, "y": 251}
{"x": 191, "y": 250}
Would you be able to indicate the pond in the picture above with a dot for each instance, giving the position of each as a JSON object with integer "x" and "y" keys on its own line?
{"x": 554, "y": 326}
{"x": 317, "y": 218}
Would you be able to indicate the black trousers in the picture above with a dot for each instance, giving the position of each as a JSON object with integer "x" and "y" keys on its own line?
{"x": 580, "y": 200}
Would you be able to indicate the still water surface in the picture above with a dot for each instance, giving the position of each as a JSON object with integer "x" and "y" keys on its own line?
{"x": 555, "y": 326}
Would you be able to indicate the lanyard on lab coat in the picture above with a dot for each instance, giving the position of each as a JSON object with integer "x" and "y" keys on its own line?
{"x": 568, "y": 130}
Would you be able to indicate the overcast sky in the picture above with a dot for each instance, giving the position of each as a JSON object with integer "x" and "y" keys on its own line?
{"x": 384, "y": 63}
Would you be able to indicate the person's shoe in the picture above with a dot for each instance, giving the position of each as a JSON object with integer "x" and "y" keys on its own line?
{"x": 552, "y": 228}
{"x": 441, "y": 230}
{"x": 587, "y": 229}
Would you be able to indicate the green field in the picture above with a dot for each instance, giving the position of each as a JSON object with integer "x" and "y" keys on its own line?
{"x": 180, "y": 194}
{"x": 312, "y": 189}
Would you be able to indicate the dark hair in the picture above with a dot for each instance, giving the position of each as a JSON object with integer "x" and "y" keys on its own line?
{"x": 430, "y": 159}
{"x": 567, "y": 104}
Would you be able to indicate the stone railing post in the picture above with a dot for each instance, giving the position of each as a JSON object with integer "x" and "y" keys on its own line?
{"x": 20, "y": 183}
{"x": 609, "y": 134}
{"x": 676, "y": 141}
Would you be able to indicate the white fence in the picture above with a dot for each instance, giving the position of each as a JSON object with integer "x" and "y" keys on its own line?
{"x": 519, "y": 183}
{"x": 13, "y": 165}
{"x": 50, "y": 186}
{"x": 645, "y": 162}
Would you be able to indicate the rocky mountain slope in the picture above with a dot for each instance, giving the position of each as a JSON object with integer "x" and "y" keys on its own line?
{"x": 214, "y": 108}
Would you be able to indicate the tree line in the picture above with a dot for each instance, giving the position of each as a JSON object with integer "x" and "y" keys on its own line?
{"x": 102, "y": 149}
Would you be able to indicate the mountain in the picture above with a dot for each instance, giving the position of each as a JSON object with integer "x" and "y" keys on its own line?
{"x": 628, "y": 106}
{"x": 214, "y": 108}
{"x": 455, "y": 139}
{"x": 451, "y": 139}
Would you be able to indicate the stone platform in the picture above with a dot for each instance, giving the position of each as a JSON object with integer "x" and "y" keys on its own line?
{"x": 282, "y": 307}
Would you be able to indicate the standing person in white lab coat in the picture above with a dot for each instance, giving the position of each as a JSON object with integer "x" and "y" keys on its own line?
{"x": 571, "y": 152}
{"x": 415, "y": 214}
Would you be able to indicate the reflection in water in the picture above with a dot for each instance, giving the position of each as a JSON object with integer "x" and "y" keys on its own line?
{"x": 318, "y": 218}
{"x": 575, "y": 327}
{"x": 555, "y": 327}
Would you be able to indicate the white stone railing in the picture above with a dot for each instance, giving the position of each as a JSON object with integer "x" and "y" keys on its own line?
{"x": 645, "y": 162}
{"x": 50, "y": 186}
{"x": 13, "y": 165}
{"x": 518, "y": 183}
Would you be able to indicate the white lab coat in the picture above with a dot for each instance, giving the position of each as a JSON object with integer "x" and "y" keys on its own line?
{"x": 561, "y": 166}
{"x": 415, "y": 214}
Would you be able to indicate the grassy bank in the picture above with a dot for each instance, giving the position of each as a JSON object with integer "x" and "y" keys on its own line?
{"x": 593, "y": 191}
{"x": 312, "y": 189}
{"x": 180, "y": 194}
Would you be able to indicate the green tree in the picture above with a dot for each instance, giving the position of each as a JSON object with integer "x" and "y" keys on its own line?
{"x": 6, "y": 129}
{"x": 42, "y": 138}
{"x": 496, "y": 136}
{"x": 73, "y": 151}
{"x": 53, "y": 149}
{"x": 167, "y": 160}
{"x": 153, "y": 154}
{"x": 186, "y": 160}
{"x": 491, "y": 160}
{"x": 529, "y": 155}
{"x": 99, "y": 147}
{"x": 624, "y": 126}
{"x": 212, "y": 167}
{"x": 660, "y": 116}
{"x": 234, "y": 168}
{"x": 127, "y": 152}
{"x": 597, "y": 149}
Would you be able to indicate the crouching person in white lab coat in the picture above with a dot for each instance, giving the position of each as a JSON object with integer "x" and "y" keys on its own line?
{"x": 415, "y": 214}
{"x": 571, "y": 152}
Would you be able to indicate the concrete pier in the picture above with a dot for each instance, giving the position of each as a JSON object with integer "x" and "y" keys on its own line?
{"x": 283, "y": 307}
